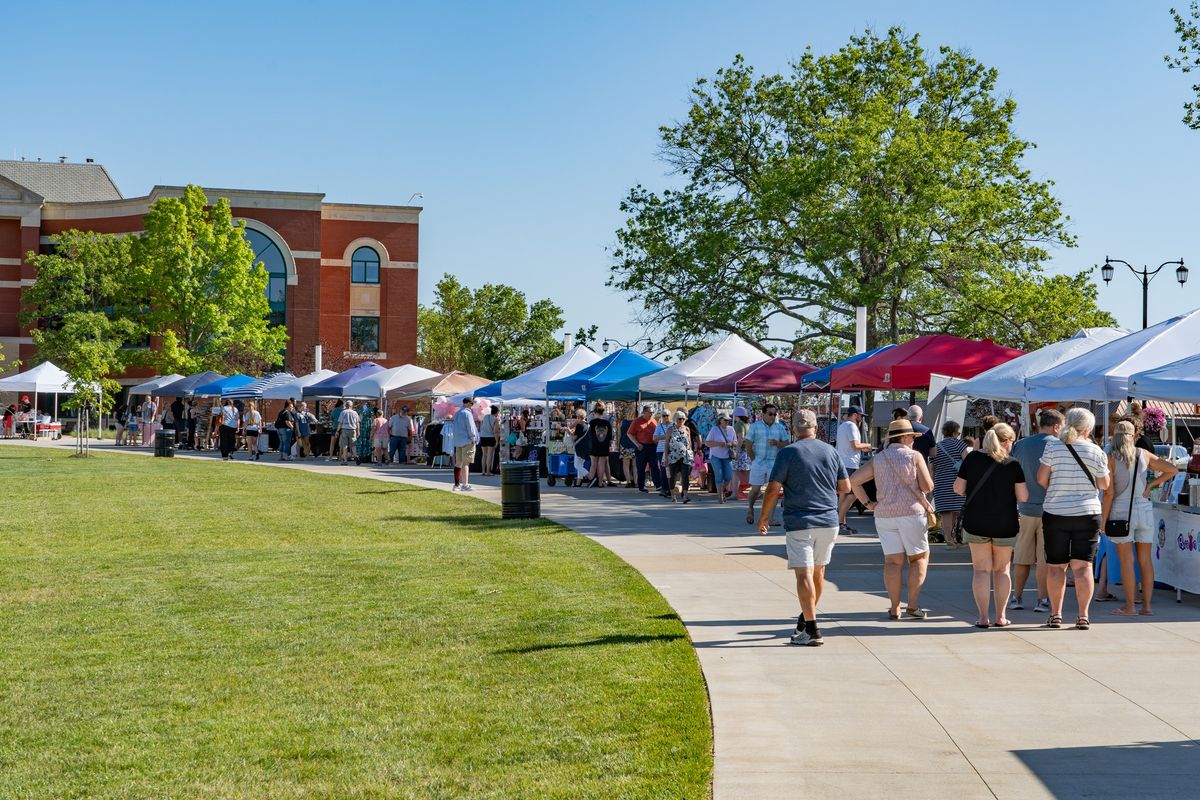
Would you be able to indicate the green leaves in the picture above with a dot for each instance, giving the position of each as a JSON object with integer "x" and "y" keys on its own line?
{"x": 491, "y": 332}
{"x": 1187, "y": 57}
{"x": 206, "y": 296}
{"x": 876, "y": 175}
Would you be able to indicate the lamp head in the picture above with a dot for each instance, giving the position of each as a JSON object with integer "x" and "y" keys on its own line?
{"x": 1181, "y": 273}
{"x": 604, "y": 346}
{"x": 1106, "y": 271}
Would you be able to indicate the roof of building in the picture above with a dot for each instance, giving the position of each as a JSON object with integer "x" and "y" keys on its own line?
{"x": 59, "y": 182}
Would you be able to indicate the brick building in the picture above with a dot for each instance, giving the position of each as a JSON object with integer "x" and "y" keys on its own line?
{"x": 343, "y": 275}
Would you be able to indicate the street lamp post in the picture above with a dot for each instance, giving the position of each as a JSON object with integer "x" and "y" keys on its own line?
{"x": 627, "y": 346}
{"x": 1147, "y": 275}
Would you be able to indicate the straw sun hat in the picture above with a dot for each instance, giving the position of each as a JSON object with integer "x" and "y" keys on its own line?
{"x": 900, "y": 427}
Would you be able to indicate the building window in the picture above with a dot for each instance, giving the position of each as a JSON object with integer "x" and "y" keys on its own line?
{"x": 364, "y": 266}
{"x": 364, "y": 334}
{"x": 267, "y": 252}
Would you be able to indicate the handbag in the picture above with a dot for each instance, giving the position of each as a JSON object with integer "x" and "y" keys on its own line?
{"x": 958, "y": 520}
{"x": 1119, "y": 528}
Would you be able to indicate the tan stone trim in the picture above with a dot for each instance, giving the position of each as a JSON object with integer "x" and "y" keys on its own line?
{"x": 266, "y": 230}
{"x": 21, "y": 284}
{"x": 370, "y": 213}
{"x": 11, "y": 262}
{"x": 400, "y": 265}
{"x": 366, "y": 241}
{"x": 30, "y": 214}
{"x": 309, "y": 254}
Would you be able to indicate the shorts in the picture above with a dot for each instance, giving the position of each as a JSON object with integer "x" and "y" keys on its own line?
{"x": 346, "y": 438}
{"x": 487, "y": 441}
{"x": 464, "y": 456}
{"x": 1030, "y": 548}
{"x": 760, "y": 473}
{"x": 908, "y": 535}
{"x": 1141, "y": 525}
{"x": 1073, "y": 538}
{"x": 994, "y": 541}
{"x": 812, "y": 547}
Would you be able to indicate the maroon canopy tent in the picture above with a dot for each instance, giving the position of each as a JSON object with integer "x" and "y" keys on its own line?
{"x": 776, "y": 376}
{"x": 908, "y": 366}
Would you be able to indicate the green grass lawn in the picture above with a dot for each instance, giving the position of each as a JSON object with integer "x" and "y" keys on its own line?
{"x": 177, "y": 629}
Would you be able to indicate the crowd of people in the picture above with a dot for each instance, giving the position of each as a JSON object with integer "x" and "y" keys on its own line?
{"x": 1041, "y": 502}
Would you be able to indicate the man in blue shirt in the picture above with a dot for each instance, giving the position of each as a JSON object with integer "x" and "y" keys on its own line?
{"x": 466, "y": 436}
{"x": 763, "y": 440}
{"x": 810, "y": 475}
{"x": 1030, "y": 548}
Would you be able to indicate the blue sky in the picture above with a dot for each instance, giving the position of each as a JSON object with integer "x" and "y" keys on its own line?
{"x": 524, "y": 124}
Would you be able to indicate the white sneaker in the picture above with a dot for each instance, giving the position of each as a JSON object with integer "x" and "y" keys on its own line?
{"x": 1043, "y": 605}
{"x": 1015, "y": 604}
{"x": 466, "y": 488}
{"x": 456, "y": 488}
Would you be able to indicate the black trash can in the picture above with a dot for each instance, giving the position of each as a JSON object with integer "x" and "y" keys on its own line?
{"x": 164, "y": 444}
{"x": 520, "y": 492}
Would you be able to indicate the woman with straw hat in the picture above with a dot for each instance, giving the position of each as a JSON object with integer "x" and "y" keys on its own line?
{"x": 901, "y": 514}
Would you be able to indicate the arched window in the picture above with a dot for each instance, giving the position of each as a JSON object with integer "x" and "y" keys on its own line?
{"x": 364, "y": 266}
{"x": 268, "y": 253}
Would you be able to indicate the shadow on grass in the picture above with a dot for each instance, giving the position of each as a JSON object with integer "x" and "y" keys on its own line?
{"x": 405, "y": 490}
{"x": 480, "y": 522}
{"x": 617, "y": 638}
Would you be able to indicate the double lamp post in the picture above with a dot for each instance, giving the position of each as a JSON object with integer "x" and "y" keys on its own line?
{"x": 1147, "y": 275}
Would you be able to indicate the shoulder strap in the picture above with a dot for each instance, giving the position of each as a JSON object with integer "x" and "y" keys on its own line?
{"x": 1137, "y": 464}
{"x": 1082, "y": 466}
{"x": 982, "y": 481}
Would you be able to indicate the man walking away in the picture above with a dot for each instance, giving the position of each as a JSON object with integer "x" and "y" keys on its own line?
{"x": 400, "y": 426}
{"x": 466, "y": 436}
{"x": 1030, "y": 549}
{"x": 810, "y": 474}
{"x": 347, "y": 429}
{"x": 925, "y": 439}
{"x": 850, "y": 447}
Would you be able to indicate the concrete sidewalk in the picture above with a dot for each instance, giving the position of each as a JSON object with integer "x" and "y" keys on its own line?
{"x": 890, "y": 708}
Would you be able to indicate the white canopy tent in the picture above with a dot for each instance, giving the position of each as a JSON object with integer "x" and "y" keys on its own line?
{"x": 45, "y": 378}
{"x": 377, "y": 384}
{"x": 1103, "y": 372}
{"x": 1007, "y": 381}
{"x": 1178, "y": 381}
{"x": 715, "y": 361}
{"x": 532, "y": 384}
{"x": 295, "y": 388}
{"x": 154, "y": 383}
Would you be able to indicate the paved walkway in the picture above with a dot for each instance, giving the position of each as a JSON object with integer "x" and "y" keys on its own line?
{"x": 897, "y": 709}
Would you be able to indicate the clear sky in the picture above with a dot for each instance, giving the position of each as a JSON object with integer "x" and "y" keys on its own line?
{"x": 524, "y": 124}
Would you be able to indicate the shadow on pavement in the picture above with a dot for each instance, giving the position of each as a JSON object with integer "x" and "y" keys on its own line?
{"x": 1147, "y": 770}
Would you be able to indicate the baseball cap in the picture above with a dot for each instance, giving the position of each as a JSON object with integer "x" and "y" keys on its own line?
{"x": 854, "y": 410}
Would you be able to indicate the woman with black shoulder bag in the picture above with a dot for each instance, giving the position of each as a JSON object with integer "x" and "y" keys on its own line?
{"x": 993, "y": 483}
{"x": 1128, "y": 514}
{"x": 1073, "y": 471}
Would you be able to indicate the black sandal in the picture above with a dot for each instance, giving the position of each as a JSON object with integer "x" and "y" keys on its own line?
{"x": 1083, "y": 624}
{"x": 1055, "y": 622}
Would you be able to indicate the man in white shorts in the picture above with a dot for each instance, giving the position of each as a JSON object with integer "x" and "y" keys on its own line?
{"x": 810, "y": 475}
{"x": 763, "y": 440}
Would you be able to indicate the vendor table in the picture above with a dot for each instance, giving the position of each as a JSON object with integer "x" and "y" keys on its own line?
{"x": 1177, "y": 546}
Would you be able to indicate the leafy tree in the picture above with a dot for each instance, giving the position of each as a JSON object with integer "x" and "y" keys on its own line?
{"x": 587, "y": 336}
{"x": 80, "y": 317}
{"x": 492, "y": 331}
{"x": 1187, "y": 57}
{"x": 875, "y": 176}
{"x": 204, "y": 293}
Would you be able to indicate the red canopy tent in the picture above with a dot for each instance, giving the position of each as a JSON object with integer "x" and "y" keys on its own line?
{"x": 776, "y": 376}
{"x": 907, "y": 366}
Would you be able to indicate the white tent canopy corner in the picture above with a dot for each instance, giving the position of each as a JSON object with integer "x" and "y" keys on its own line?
{"x": 532, "y": 384}
{"x": 715, "y": 361}
{"x": 377, "y": 384}
{"x": 154, "y": 383}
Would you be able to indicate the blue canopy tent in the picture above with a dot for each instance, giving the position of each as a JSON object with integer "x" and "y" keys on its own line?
{"x": 493, "y": 389}
{"x": 254, "y": 390}
{"x": 819, "y": 380}
{"x": 184, "y": 386}
{"x": 215, "y": 388}
{"x": 332, "y": 387}
{"x": 622, "y": 365}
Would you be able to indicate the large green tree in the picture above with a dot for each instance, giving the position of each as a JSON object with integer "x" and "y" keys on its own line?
{"x": 81, "y": 318}
{"x": 492, "y": 331}
{"x": 1187, "y": 57}
{"x": 880, "y": 175}
{"x": 204, "y": 294}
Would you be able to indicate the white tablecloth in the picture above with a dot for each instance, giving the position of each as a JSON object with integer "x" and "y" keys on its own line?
{"x": 1177, "y": 546}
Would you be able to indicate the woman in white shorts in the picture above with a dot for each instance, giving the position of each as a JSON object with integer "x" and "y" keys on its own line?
{"x": 1128, "y": 465}
{"x": 902, "y": 480}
